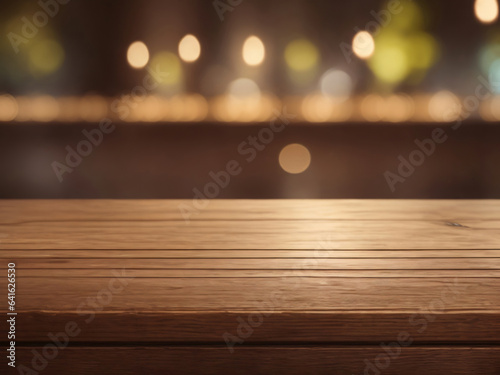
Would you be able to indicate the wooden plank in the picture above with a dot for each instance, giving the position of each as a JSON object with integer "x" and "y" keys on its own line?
{"x": 230, "y": 234}
{"x": 257, "y": 254}
{"x": 268, "y": 264}
{"x": 237, "y": 294}
{"x": 223, "y": 273}
{"x": 331, "y": 327}
{"x": 19, "y": 211}
{"x": 269, "y": 360}
{"x": 302, "y": 224}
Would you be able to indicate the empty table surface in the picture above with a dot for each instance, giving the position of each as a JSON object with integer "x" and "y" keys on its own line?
{"x": 296, "y": 286}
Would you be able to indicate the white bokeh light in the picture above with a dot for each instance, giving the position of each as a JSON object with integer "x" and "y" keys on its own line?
{"x": 336, "y": 83}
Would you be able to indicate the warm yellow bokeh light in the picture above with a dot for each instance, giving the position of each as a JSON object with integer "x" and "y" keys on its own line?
{"x": 402, "y": 50}
{"x": 317, "y": 108}
{"x": 243, "y": 102}
{"x": 321, "y": 108}
{"x": 363, "y": 45}
{"x": 444, "y": 106}
{"x": 8, "y": 108}
{"x": 44, "y": 108}
{"x": 92, "y": 108}
{"x": 495, "y": 108}
{"x": 295, "y": 158}
{"x": 301, "y": 55}
{"x": 423, "y": 50}
{"x": 390, "y": 65}
{"x": 254, "y": 51}
{"x": 373, "y": 108}
{"x": 411, "y": 16}
{"x": 46, "y": 56}
{"x": 486, "y": 10}
{"x": 168, "y": 62}
{"x": 230, "y": 108}
{"x": 138, "y": 55}
{"x": 400, "y": 108}
{"x": 189, "y": 48}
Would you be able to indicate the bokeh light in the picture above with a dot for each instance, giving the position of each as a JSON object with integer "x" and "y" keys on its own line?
{"x": 152, "y": 109}
{"x": 46, "y": 56}
{"x": 422, "y": 50}
{"x": 399, "y": 108}
{"x": 393, "y": 108}
{"x": 390, "y": 64}
{"x": 486, "y": 10}
{"x": 92, "y": 108}
{"x": 404, "y": 52}
{"x": 243, "y": 88}
{"x": 295, "y": 158}
{"x": 489, "y": 54}
{"x": 336, "y": 83}
{"x": 373, "y": 108}
{"x": 301, "y": 55}
{"x": 495, "y": 108}
{"x": 44, "y": 108}
{"x": 186, "y": 108}
{"x": 168, "y": 62}
{"x": 410, "y": 18}
{"x": 230, "y": 108}
{"x": 254, "y": 51}
{"x": 243, "y": 102}
{"x": 8, "y": 108}
{"x": 138, "y": 55}
{"x": 189, "y": 48}
{"x": 320, "y": 108}
{"x": 363, "y": 45}
{"x": 444, "y": 106}
{"x": 494, "y": 75}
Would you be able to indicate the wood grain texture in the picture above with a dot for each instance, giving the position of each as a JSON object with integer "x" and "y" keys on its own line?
{"x": 149, "y": 287}
{"x": 239, "y": 294}
{"x": 314, "y": 209}
{"x": 269, "y": 264}
{"x": 247, "y": 254}
{"x": 306, "y": 224}
{"x": 266, "y": 360}
{"x": 258, "y": 274}
{"x": 16, "y": 211}
{"x": 293, "y": 328}
{"x": 253, "y": 234}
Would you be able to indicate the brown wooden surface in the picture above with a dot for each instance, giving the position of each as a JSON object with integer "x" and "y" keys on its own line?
{"x": 252, "y": 225}
{"x": 322, "y": 273}
{"x": 269, "y": 360}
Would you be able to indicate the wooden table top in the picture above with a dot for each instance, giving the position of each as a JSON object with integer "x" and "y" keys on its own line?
{"x": 320, "y": 271}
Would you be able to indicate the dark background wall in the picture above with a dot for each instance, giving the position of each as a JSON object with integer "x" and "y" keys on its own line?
{"x": 167, "y": 161}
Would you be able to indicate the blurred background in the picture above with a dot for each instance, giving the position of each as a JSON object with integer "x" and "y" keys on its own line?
{"x": 250, "y": 99}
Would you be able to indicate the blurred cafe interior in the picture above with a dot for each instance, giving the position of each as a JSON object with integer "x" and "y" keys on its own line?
{"x": 268, "y": 99}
